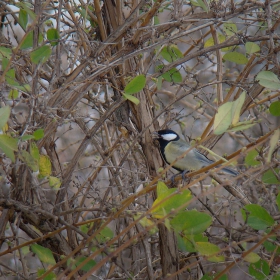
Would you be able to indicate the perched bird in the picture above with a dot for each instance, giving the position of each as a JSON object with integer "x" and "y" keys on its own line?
{"x": 172, "y": 147}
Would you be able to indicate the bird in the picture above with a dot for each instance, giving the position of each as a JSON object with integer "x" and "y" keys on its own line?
{"x": 172, "y": 147}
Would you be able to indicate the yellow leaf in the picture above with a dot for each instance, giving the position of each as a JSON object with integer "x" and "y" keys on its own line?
{"x": 252, "y": 257}
{"x": 45, "y": 166}
{"x": 236, "y": 107}
{"x": 223, "y": 118}
{"x": 54, "y": 182}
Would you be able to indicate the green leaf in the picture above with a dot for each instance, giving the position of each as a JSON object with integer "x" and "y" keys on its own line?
{"x": 274, "y": 108}
{"x": 192, "y": 222}
{"x": 30, "y": 161}
{"x": 4, "y": 116}
{"x": 216, "y": 259}
{"x": 228, "y": 116}
{"x": 54, "y": 183}
{"x": 236, "y": 57}
{"x": 137, "y": 84}
{"x": 252, "y": 257}
{"x": 28, "y": 41}
{"x": 44, "y": 254}
{"x": 258, "y": 218}
{"x": 131, "y": 98}
{"x": 259, "y": 270}
{"x": 269, "y": 246}
{"x": 34, "y": 151}
{"x": 268, "y": 79}
{"x": 156, "y": 20}
{"x": 5, "y": 52}
{"x": 8, "y": 145}
{"x": 223, "y": 118}
{"x": 173, "y": 76}
{"x": 221, "y": 38}
{"x": 208, "y": 249}
{"x": 207, "y": 277}
{"x": 145, "y": 223}
{"x": 210, "y": 42}
{"x": 85, "y": 227}
{"x": 161, "y": 188}
{"x": 211, "y": 276}
{"x": 252, "y": 47}
{"x": 41, "y": 54}
{"x": 26, "y": 137}
{"x": 270, "y": 178}
{"x": 5, "y": 62}
{"x": 25, "y": 250}
{"x": 250, "y": 158}
{"x": 11, "y": 74}
{"x": 10, "y": 78}
{"x": 13, "y": 94}
{"x": 84, "y": 12}
{"x": 26, "y": 7}
{"x": 45, "y": 166}
{"x": 24, "y": 88}
{"x": 230, "y": 28}
{"x": 88, "y": 266}
{"x": 236, "y": 107}
{"x": 199, "y": 3}
{"x": 272, "y": 144}
{"x": 165, "y": 204}
{"x": 278, "y": 201}
{"x": 242, "y": 125}
{"x": 187, "y": 242}
{"x": 105, "y": 235}
{"x": 53, "y": 36}
{"x": 166, "y": 221}
{"x": 171, "y": 53}
{"x": 23, "y": 18}
{"x": 181, "y": 244}
{"x": 159, "y": 82}
{"x": 50, "y": 276}
{"x": 38, "y": 134}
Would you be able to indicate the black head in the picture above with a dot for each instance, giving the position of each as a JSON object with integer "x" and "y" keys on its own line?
{"x": 166, "y": 135}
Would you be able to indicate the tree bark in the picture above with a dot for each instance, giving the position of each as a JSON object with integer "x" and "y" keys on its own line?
{"x": 167, "y": 239}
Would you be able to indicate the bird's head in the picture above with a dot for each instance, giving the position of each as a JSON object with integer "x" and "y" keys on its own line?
{"x": 165, "y": 135}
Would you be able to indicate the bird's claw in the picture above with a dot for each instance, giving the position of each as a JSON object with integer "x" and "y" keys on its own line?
{"x": 184, "y": 179}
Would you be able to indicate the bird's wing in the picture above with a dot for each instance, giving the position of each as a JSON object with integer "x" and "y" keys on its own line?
{"x": 203, "y": 158}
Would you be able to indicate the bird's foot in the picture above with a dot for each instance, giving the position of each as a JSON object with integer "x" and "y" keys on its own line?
{"x": 184, "y": 179}
{"x": 182, "y": 174}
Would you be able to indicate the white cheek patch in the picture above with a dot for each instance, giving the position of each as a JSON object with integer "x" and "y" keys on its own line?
{"x": 169, "y": 136}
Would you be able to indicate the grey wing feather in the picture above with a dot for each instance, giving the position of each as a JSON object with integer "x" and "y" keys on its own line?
{"x": 202, "y": 158}
{"x": 207, "y": 161}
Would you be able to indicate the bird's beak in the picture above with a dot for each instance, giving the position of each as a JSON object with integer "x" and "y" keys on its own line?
{"x": 155, "y": 135}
